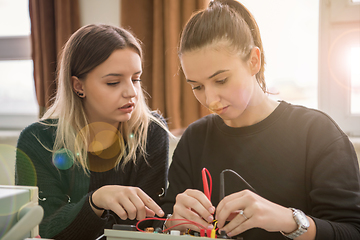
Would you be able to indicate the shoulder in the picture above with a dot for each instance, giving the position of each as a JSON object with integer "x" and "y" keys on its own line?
{"x": 202, "y": 124}
{"x": 157, "y": 126}
{"x": 316, "y": 128}
{"x": 200, "y": 128}
{"x": 42, "y": 130}
{"x": 39, "y": 127}
{"x": 312, "y": 119}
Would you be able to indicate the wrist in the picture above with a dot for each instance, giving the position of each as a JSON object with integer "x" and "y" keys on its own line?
{"x": 302, "y": 223}
{"x": 290, "y": 223}
{"x": 92, "y": 204}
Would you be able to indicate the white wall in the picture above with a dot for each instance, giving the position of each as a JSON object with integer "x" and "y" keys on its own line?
{"x": 100, "y": 11}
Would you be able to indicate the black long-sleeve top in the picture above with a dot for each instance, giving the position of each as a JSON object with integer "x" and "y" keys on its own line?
{"x": 296, "y": 157}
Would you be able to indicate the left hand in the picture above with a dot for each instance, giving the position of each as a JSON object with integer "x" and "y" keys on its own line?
{"x": 257, "y": 213}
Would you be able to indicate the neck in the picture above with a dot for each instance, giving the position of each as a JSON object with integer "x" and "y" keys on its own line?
{"x": 259, "y": 107}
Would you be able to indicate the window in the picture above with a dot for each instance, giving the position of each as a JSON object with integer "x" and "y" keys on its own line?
{"x": 289, "y": 31}
{"x": 339, "y": 61}
{"x": 355, "y": 80}
{"x": 17, "y": 93}
{"x": 312, "y": 55}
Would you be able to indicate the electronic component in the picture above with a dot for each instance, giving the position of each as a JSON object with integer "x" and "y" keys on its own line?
{"x": 124, "y": 227}
{"x": 149, "y": 229}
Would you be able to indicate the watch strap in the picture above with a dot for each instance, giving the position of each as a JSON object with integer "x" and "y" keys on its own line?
{"x": 300, "y": 230}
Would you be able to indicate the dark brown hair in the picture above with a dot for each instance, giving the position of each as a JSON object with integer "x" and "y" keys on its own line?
{"x": 224, "y": 20}
{"x": 91, "y": 45}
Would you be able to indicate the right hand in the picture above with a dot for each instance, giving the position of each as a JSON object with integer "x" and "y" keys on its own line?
{"x": 192, "y": 205}
{"x": 127, "y": 202}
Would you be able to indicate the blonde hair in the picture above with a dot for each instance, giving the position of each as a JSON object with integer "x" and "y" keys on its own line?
{"x": 87, "y": 48}
{"x": 224, "y": 20}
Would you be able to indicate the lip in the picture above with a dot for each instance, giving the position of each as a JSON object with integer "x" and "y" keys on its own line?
{"x": 221, "y": 110}
{"x": 127, "y": 108}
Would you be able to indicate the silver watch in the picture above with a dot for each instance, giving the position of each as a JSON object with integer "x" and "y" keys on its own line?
{"x": 302, "y": 222}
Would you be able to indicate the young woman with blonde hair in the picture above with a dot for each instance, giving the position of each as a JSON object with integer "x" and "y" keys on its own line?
{"x": 99, "y": 155}
{"x": 299, "y": 173}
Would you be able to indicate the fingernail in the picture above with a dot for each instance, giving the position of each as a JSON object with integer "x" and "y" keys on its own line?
{"x": 212, "y": 210}
{"x": 161, "y": 212}
{"x": 210, "y": 218}
{"x": 210, "y": 227}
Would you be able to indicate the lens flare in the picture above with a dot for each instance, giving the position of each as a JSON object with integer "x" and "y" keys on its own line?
{"x": 63, "y": 159}
{"x": 7, "y": 164}
{"x": 104, "y": 145}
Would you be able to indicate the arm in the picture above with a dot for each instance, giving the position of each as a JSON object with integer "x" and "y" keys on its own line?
{"x": 332, "y": 182}
{"x": 34, "y": 167}
{"x": 144, "y": 181}
{"x": 152, "y": 175}
{"x": 183, "y": 200}
{"x": 335, "y": 194}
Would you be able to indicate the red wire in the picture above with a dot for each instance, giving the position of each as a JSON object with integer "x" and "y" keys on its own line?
{"x": 207, "y": 191}
{"x": 207, "y": 188}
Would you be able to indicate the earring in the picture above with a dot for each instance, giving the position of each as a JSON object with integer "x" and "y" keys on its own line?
{"x": 80, "y": 94}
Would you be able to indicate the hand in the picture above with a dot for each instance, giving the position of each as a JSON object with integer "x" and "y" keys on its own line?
{"x": 192, "y": 205}
{"x": 257, "y": 212}
{"x": 126, "y": 202}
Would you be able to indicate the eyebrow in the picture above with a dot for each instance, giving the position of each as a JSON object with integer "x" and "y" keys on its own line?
{"x": 216, "y": 73}
{"x": 118, "y": 74}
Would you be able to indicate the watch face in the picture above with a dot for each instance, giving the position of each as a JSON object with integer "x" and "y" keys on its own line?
{"x": 303, "y": 221}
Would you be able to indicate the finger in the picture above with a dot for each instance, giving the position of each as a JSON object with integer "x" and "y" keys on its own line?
{"x": 201, "y": 197}
{"x": 189, "y": 215}
{"x": 234, "y": 196}
{"x": 149, "y": 212}
{"x": 139, "y": 206}
{"x": 193, "y": 201}
{"x": 119, "y": 210}
{"x": 229, "y": 210}
{"x": 129, "y": 207}
{"x": 246, "y": 225}
{"x": 234, "y": 223}
{"x": 232, "y": 215}
{"x": 150, "y": 203}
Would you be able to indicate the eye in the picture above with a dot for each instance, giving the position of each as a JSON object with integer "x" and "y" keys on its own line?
{"x": 136, "y": 80}
{"x": 112, "y": 83}
{"x": 197, "y": 88}
{"x": 222, "y": 81}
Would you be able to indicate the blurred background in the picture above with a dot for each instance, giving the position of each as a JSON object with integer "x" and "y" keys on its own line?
{"x": 312, "y": 51}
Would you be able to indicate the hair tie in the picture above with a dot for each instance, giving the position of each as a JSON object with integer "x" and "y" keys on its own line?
{"x": 92, "y": 203}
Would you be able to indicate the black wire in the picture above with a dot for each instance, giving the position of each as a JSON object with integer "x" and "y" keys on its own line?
{"x": 222, "y": 182}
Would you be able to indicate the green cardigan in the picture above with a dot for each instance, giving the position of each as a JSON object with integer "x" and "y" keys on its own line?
{"x": 64, "y": 193}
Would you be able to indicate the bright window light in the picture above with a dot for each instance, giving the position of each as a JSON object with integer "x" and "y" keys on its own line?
{"x": 17, "y": 88}
{"x": 18, "y": 106}
{"x": 14, "y": 16}
{"x": 291, "y": 48}
{"x": 355, "y": 80}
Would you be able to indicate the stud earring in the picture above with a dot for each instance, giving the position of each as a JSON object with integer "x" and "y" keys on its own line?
{"x": 80, "y": 94}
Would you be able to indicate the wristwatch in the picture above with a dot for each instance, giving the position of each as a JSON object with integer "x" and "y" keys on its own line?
{"x": 302, "y": 222}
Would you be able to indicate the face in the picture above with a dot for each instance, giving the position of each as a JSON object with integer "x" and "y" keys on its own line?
{"x": 111, "y": 89}
{"x": 222, "y": 82}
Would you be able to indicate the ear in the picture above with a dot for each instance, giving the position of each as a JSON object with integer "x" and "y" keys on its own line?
{"x": 77, "y": 85}
{"x": 255, "y": 60}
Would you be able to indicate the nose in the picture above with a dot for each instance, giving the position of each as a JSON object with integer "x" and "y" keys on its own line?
{"x": 211, "y": 96}
{"x": 129, "y": 90}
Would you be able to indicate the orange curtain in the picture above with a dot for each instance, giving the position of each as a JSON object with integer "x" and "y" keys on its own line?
{"x": 52, "y": 23}
{"x": 158, "y": 24}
